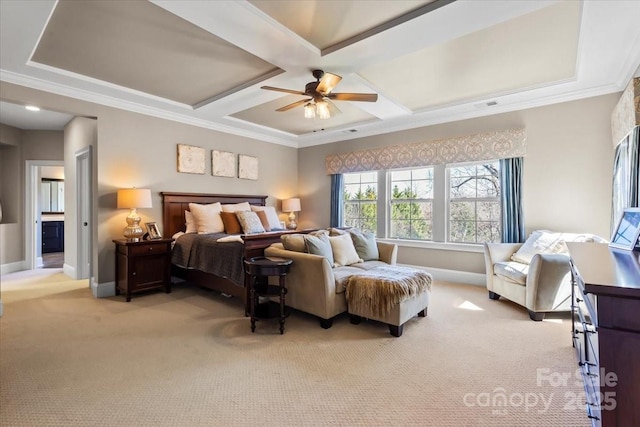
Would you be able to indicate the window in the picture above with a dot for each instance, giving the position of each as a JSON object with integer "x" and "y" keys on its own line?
{"x": 411, "y": 204}
{"x": 361, "y": 200}
{"x": 474, "y": 203}
{"x": 456, "y": 203}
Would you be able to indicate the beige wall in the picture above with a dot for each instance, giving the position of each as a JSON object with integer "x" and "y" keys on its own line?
{"x": 567, "y": 172}
{"x": 137, "y": 150}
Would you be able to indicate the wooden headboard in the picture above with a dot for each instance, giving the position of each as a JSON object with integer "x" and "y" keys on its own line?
{"x": 174, "y": 205}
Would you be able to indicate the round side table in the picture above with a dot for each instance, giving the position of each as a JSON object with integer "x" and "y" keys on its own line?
{"x": 257, "y": 271}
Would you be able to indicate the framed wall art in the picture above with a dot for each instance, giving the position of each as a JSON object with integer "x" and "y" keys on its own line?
{"x": 223, "y": 163}
{"x": 191, "y": 159}
{"x": 247, "y": 167}
{"x": 627, "y": 232}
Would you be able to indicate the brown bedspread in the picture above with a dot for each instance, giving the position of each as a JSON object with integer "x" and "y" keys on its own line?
{"x": 203, "y": 252}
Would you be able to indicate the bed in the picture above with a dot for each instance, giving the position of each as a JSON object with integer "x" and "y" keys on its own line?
{"x": 173, "y": 220}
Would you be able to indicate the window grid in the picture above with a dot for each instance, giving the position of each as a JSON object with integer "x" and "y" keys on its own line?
{"x": 410, "y": 202}
{"x": 360, "y": 200}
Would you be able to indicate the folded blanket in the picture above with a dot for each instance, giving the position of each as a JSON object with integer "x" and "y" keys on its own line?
{"x": 379, "y": 289}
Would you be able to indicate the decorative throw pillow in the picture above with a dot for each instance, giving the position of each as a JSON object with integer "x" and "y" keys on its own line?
{"x": 319, "y": 245}
{"x": 250, "y": 222}
{"x": 190, "y": 222}
{"x": 231, "y": 224}
{"x": 293, "y": 242}
{"x": 344, "y": 253}
{"x": 207, "y": 217}
{"x": 539, "y": 242}
{"x": 365, "y": 244}
{"x": 271, "y": 220}
{"x": 336, "y": 231}
{"x": 236, "y": 207}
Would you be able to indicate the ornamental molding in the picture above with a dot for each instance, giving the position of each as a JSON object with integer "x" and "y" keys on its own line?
{"x": 626, "y": 114}
{"x": 477, "y": 147}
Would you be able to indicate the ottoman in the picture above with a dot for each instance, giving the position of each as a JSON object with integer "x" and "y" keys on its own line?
{"x": 389, "y": 294}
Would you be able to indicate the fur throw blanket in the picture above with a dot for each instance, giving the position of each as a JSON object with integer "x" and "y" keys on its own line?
{"x": 379, "y": 289}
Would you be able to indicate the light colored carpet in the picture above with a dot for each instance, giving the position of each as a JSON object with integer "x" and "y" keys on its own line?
{"x": 189, "y": 359}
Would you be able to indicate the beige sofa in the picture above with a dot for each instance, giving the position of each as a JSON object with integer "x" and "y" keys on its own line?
{"x": 317, "y": 288}
{"x": 535, "y": 274}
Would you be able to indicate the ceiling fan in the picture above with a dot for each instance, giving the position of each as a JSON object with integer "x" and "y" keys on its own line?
{"x": 320, "y": 95}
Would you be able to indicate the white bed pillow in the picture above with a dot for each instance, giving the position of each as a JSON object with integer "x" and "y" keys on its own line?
{"x": 250, "y": 222}
{"x": 207, "y": 217}
{"x": 344, "y": 253}
{"x": 236, "y": 207}
{"x": 272, "y": 220}
{"x": 190, "y": 223}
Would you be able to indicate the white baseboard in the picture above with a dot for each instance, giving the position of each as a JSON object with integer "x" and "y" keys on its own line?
{"x": 39, "y": 262}
{"x": 103, "y": 290}
{"x": 11, "y": 267}
{"x": 468, "y": 278}
{"x": 69, "y": 270}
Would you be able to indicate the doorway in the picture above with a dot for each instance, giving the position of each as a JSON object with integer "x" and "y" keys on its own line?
{"x": 44, "y": 220}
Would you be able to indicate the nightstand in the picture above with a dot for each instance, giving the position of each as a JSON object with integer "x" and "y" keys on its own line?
{"x": 141, "y": 266}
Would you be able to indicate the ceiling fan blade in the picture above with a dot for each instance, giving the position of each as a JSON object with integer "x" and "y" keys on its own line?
{"x": 365, "y": 97}
{"x": 278, "y": 89}
{"x": 293, "y": 105}
{"x": 327, "y": 83}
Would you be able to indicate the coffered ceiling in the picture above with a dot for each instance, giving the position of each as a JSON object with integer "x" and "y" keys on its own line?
{"x": 433, "y": 61}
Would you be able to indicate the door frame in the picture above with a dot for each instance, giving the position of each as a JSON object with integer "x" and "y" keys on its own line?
{"x": 84, "y": 205}
{"x": 32, "y": 216}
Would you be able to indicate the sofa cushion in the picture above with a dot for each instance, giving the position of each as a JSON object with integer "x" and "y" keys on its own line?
{"x": 512, "y": 271}
{"x": 344, "y": 253}
{"x": 341, "y": 274}
{"x": 365, "y": 244}
{"x": 319, "y": 245}
{"x": 368, "y": 265}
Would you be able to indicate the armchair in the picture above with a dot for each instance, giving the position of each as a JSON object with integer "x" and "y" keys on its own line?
{"x": 535, "y": 274}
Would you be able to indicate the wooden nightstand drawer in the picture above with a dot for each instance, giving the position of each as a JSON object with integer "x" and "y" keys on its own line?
{"x": 149, "y": 249}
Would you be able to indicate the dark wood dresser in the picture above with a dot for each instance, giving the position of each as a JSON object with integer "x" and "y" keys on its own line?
{"x": 606, "y": 331}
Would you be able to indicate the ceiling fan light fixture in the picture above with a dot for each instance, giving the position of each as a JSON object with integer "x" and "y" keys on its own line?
{"x": 322, "y": 108}
{"x": 309, "y": 111}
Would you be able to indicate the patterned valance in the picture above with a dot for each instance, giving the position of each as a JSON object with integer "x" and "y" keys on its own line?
{"x": 481, "y": 146}
{"x": 626, "y": 114}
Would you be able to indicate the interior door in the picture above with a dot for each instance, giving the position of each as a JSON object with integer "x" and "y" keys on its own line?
{"x": 83, "y": 203}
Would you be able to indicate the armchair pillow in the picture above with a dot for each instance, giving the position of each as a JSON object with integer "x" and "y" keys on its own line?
{"x": 548, "y": 242}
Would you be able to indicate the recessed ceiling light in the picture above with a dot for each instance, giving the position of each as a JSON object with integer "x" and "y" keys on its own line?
{"x": 32, "y": 108}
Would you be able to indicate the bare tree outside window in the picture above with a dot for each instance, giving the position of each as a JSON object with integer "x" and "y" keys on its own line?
{"x": 474, "y": 203}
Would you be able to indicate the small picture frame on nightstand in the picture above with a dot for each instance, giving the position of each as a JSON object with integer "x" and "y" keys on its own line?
{"x": 154, "y": 232}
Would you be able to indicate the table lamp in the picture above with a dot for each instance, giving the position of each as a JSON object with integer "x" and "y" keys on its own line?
{"x": 293, "y": 206}
{"x": 133, "y": 198}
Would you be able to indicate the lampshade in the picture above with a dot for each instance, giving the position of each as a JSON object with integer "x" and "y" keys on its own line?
{"x": 322, "y": 108}
{"x": 291, "y": 205}
{"x": 309, "y": 111}
{"x": 134, "y": 198}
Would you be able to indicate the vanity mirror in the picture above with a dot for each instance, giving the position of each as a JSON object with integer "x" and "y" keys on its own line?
{"x": 52, "y": 195}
